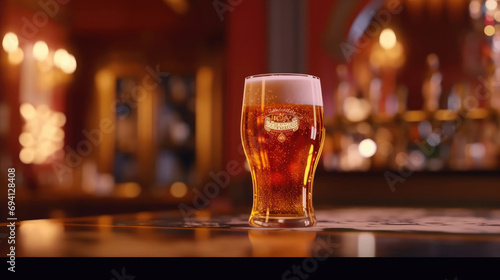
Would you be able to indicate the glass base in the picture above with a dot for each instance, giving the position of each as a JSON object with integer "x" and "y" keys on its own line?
{"x": 281, "y": 222}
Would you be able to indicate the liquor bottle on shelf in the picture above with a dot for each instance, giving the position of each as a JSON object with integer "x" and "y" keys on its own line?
{"x": 480, "y": 127}
{"x": 495, "y": 105}
{"x": 400, "y": 140}
{"x": 420, "y": 126}
{"x": 495, "y": 92}
{"x": 386, "y": 134}
{"x": 374, "y": 94}
{"x": 473, "y": 145}
{"x": 431, "y": 89}
{"x": 355, "y": 127}
{"x": 437, "y": 149}
{"x": 335, "y": 129}
{"x": 344, "y": 90}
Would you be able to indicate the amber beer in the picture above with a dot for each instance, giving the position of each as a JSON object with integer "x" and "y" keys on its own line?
{"x": 282, "y": 132}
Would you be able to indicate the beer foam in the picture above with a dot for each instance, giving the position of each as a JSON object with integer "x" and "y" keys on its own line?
{"x": 283, "y": 89}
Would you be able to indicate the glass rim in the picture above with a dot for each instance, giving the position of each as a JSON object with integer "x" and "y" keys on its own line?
{"x": 282, "y": 75}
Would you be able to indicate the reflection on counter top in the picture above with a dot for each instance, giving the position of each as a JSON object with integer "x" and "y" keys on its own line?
{"x": 341, "y": 232}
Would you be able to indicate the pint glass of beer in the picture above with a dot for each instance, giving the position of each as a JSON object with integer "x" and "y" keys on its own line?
{"x": 283, "y": 132}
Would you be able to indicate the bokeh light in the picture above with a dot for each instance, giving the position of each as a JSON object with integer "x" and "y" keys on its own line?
{"x": 27, "y": 111}
{"x": 489, "y": 30}
{"x": 424, "y": 128}
{"x": 356, "y": 109}
{"x": 416, "y": 160}
{"x": 26, "y": 139}
{"x": 27, "y": 155}
{"x": 387, "y": 39}
{"x": 433, "y": 139}
{"x": 40, "y": 50}
{"x": 58, "y": 119}
{"x": 178, "y": 189}
{"x": 68, "y": 65}
{"x": 10, "y": 42}
{"x": 42, "y": 135}
{"x": 475, "y": 9}
{"x": 491, "y": 5}
{"x": 179, "y": 131}
{"x": 476, "y": 150}
{"x": 367, "y": 148}
{"x": 496, "y": 16}
{"x": 59, "y": 57}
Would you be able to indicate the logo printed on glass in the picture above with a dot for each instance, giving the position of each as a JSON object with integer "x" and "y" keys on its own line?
{"x": 281, "y": 122}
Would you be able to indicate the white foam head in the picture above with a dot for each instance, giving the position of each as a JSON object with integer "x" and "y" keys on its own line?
{"x": 270, "y": 89}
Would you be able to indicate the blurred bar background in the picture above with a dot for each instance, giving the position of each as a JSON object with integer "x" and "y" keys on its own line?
{"x": 128, "y": 106}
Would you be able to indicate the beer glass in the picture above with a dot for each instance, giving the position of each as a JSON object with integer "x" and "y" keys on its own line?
{"x": 282, "y": 131}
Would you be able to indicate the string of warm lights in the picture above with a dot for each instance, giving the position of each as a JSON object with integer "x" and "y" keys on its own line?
{"x": 42, "y": 134}
{"x": 60, "y": 58}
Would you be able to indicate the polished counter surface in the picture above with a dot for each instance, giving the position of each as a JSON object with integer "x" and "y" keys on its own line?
{"x": 340, "y": 232}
